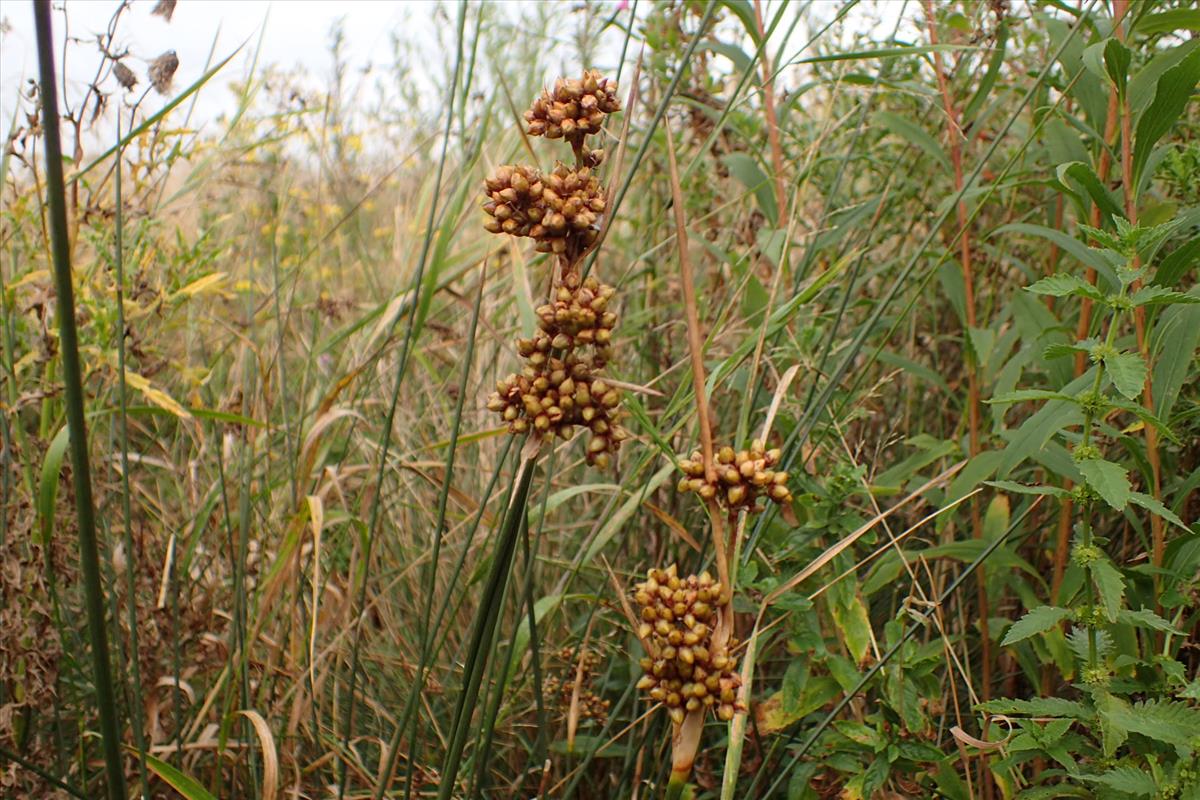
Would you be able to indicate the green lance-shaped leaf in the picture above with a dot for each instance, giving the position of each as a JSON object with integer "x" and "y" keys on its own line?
{"x": 1039, "y": 620}
{"x": 1128, "y": 373}
{"x": 1154, "y": 506}
{"x": 1174, "y": 91}
{"x": 1109, "y": 480}
{"x": 1062, "y": 284}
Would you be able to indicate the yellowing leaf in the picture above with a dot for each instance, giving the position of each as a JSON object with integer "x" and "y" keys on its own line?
{"x": 157, "y": 396}
{"x": 32, "y": 277}
{"x": 208, "y": 283}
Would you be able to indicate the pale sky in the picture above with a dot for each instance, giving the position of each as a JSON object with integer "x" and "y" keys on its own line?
{"x": 296, "y": 35}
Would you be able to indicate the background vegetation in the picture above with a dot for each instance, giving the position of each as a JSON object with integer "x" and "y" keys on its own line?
{"x": 951, "y": 256}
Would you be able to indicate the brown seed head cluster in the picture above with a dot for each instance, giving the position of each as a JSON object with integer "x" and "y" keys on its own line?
{"x": 561, "y": 386}
{"x": 556, "y": 210}
{"x": 683, "y": 671}
{"x": 591, "y": 705}
{"x": 574, "y": 109}
{"x": 742, "y": 477}
{"x": 579, "y": 315}
{"x": 553, "y": 396}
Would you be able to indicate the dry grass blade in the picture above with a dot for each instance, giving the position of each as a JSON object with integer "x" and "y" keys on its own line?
{"x": 840, "y": 546}
{"x": 695, "y": 337}
{"x": 266, "y": 741}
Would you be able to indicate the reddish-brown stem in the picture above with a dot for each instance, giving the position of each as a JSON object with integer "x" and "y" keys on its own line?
{"x": 1158, "y": 540}
{"x": 954, "y": 135}
{"x": 695, "y": 340}
{"x": 1063, "y": 539}
{"x": 772, "y": 123}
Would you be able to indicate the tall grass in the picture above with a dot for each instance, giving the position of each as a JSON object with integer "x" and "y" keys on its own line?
{"x": 901, "y": 239}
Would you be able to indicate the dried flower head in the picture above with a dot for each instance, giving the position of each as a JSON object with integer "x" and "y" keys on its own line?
{"x": 164, "y": 9}
{"x": 124, "y": 76}
{"x": 561, "y": 685}
{"x": 574, "y": 109}
{"x": 683, "y": 669}
{"x": 741, "y": 477}
{"x": 560, "y": 211}
{"x": 514, "y": 201}
{"x": 162, "y": 70}
{"x": 553, "y": 397}
{"x": 578, "y": 316}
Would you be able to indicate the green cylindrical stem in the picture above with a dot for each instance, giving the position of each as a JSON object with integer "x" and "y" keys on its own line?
{"x": 89, "y": 561}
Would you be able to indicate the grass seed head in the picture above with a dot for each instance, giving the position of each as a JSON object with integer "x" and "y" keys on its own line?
{"x": 575, "y": 108}
{"x": 684, "y": 671}
{"x": 741, "y": 477}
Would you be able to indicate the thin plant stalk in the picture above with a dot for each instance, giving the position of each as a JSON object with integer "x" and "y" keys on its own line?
{"x": 389, "y": 761}
{"x": 377, "y": 502}
{"x": 135, "y": 711}
{"x": 954, "y": 135}
{"x": 1103, "y": 167}
{"x": 89, "y": 561}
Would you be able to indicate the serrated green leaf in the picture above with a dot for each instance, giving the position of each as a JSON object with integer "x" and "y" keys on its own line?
{"x": 1110, "y": 585}
{"x": 1128, "y": 373}
{"x": 1079, "y": 643}
{"x": 1039, "y": 620}
{"x": 1062, "y": 284}
{"x": 1112, "y": 733}
{"x": 1145, "y": 618}
{"x": 1155, "y": 507}
{"x": 1110, "y": 480}
{"x": 1037, "y": 707}
{"x": 1165, "y": 721}
{"x": 1126, "y": 779}
{"x": 1062, "y": 349}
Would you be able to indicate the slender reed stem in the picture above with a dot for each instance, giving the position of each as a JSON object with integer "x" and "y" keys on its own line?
{"x": 89, "y": 561}
{"x": 135, "y": 712}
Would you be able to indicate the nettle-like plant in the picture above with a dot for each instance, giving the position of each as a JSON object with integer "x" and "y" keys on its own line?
{"x": 1130, "y": 731}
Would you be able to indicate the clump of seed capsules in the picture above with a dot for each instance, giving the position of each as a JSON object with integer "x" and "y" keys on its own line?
{"x": 575, "y": 108}
{"x": 742, "y": 477}
{"x": 578, "y": 315}
{"x": 553, "y": 397}
{"x": 592, "y": 706}
{"x": 561, "y": 386}
{"x": 560, "y": 211}
{"x": 682, "y": 669}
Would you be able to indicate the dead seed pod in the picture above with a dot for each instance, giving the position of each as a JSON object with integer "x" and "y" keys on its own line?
{"x": 560, "y": 211}
{"x": 575, "y": 108}
{"x": 574, "y": 201}
{"x": 514, "y": 201}
{"x": 578, "y": 316}
{"x": 742, "y": 477}
{"x": 553, "y": 396}
{"x": 684, "y": 670}
{"x": 561, "y": 685}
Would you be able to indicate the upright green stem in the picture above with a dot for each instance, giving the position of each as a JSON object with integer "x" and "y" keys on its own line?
{"x": 89, "y": 561}
{"x": 135, "y": 713}
{"x": 1085, "y": 531}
